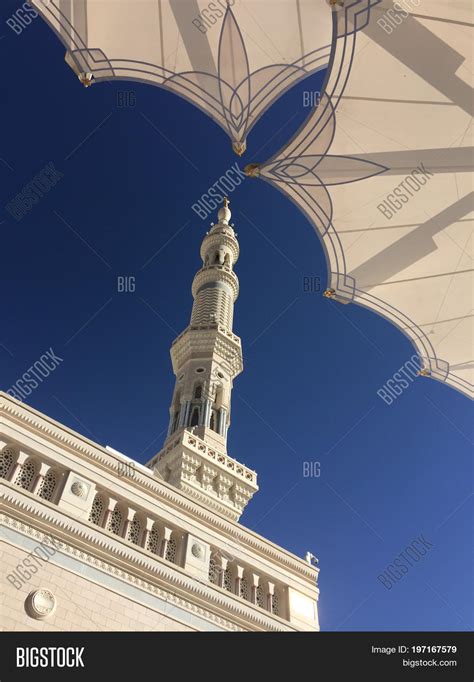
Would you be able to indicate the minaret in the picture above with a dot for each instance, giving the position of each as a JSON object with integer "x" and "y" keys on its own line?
{"x": 206, "y": 358}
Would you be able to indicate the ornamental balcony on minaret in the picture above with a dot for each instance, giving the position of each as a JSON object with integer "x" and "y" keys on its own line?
{"x": 206, "y": 358}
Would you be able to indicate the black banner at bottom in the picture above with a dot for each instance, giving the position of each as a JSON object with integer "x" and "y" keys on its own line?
{"x": 324, "y": 655}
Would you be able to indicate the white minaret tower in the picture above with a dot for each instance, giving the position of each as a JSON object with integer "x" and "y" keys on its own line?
{"x": 206, "y": 358}
{"x": 207, "y": 355}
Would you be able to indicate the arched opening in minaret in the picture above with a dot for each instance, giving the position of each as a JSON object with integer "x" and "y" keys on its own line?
{"x": 212, "y": 423}
{"x": 195, "y": 417}
{"x": 198, "y": 391}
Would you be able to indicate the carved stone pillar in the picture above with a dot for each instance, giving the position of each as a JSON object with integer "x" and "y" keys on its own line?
{"x": 222, "y": 568}
{"x": 238, "y": 579}
{"x": 128, "y": 521}
{"x": 270, "y": 593}
{"x": 146, "y": 533}
{"x": 254, "y": 585}
{"x": 222, "y": 421}
{"x": 164, "y": 542}
{"x": 44, "y": 468}
{"x": 186, "y": 413}
{"x": 110, "y": 509}
{"x": 21, "y": 459}
{"x": 206, "y": 417}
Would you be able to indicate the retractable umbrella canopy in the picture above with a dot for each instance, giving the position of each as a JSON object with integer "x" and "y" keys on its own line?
{"x": 231, "y": 58}
{"x": 383, "y": 170}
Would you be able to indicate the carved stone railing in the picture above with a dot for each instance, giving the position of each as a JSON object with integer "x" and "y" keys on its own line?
{"x": 215, "y": 456}
{"x": 206, "y": 473}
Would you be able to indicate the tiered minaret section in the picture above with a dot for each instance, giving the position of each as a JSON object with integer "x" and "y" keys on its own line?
{"x": 206, "y": 358}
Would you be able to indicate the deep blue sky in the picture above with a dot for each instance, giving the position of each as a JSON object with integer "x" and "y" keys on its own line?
{"x": 308, "y": 391}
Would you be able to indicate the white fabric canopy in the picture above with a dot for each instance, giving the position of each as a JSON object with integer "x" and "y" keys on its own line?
{"x": 230, "y": 59}
{"x": 387, "y": 179}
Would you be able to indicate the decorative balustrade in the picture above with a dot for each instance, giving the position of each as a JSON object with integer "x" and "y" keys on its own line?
{"x": 230, "y": 334}
{"x": 29, "y": 473}
{"x": 202, "y": 448}
{"x": 242, "y": 580}
{"x": 150, "y": 533}
{"x": 223, "y": 330}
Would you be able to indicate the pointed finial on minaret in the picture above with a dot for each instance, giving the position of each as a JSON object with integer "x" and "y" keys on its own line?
{"x": 224, "y": 213}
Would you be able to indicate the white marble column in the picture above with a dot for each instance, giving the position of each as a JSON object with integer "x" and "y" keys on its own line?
{"x": 206, "y": 415}
{"x": 270, "y": 593}
{"x": 112, "y": 503}
{"x": 222, "y": 421}
{"x": 146, "y": 532}
{"x": 128, "y": 521}
{"x": 238, "y": 579}
{"x": 164, "y": 542}
{"x": 21, "y": 459}
{"x": 44, "y": 468}
{"x": 186, "y": 413}
{"x": 254, "y": 585}
{"x": 222, "y": 569}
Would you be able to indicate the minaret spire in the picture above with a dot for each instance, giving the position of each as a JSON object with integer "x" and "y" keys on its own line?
{"x": 215, "y": 286}
{"x": 206, "y": 357}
